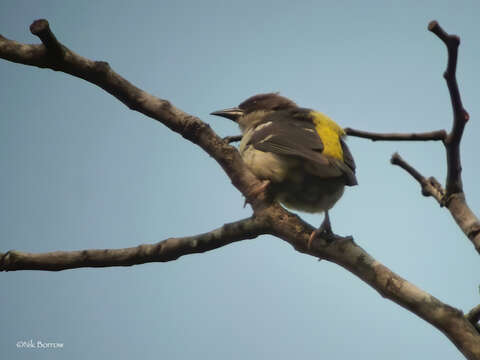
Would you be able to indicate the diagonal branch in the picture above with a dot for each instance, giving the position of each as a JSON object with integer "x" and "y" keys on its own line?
{"x": 456, "y": 203}
{"x": 57, "y": 57}
{"x": 163, "y": 251}
{"x": 430, "y": 186}
{"x": 346, "y": 253}
{"x": 269, "y": 217}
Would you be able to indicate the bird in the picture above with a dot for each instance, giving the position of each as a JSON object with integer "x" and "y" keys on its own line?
{"x": 299, "y": 154}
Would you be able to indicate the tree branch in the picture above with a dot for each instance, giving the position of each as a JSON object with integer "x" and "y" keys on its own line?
{"x": 430, "y": 186}
{"x": 41, "y": 29}
{"x": 268, "y": 217}
{"x": 163, "y": 251}
{"x": 474, "y": 315}
{"x": 455, "y": 203}
{"x": 346, "y": 253}
{"x": 452, "y": 196}
{"x": 57, "y": 57}
{"x": 426, "y": 136}
{"x": 460, "y": 115}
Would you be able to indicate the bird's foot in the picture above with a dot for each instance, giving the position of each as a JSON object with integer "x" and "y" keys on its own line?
{"x": 329, "y": 236}
{"x": 325, "y": 232}
{"x": 257, "y": 190}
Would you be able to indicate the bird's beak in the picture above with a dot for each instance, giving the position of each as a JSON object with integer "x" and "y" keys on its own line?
{"x": 232, "y": 113}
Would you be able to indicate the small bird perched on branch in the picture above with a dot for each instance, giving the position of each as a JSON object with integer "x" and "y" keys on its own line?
{"x": 299, "y": 153}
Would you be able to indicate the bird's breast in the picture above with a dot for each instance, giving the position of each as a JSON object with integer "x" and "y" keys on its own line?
{"x": 265, "y": 165}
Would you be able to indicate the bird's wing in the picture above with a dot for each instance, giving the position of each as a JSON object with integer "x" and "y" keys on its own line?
{"x": 292, "y": 133}
{"x": 286, "y": 136}
{"x": 349, "y": 163}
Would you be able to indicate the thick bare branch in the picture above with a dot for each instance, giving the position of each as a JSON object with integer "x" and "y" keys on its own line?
{"x": 426, "y": 136}
{"x": 99, "y": 73}
{"x": 346, "y": 253}
{"x": 166, "y": 250}
{"x": 272, "y": 218}
{"x": 464, "y": 217}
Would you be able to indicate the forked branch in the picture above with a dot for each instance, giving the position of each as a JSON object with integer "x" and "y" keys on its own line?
{"x": 452, "y": 196}
{"x": 460, "y": 115}
{"x": 268, "y": 217}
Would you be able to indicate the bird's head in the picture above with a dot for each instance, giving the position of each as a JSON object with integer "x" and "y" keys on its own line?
{"x": 263, "y": 103}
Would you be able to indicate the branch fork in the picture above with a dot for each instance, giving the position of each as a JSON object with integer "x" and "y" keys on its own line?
{"x": 268, "y": 218}
{"x": 452, "y": 195}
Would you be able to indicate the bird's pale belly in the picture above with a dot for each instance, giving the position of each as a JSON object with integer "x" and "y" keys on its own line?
{"x": 295, "y": 183}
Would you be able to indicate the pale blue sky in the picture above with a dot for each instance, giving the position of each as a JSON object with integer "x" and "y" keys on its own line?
{"x": 79, "y": 170}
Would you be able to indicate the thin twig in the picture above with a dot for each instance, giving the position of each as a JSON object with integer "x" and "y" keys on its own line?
{"x": 273, "y": 217}
{"x": 426, "y": 136}
{"x": 398, "y": 160}
{"x": 430, "y": 186}
{"x": 460, "y": 115}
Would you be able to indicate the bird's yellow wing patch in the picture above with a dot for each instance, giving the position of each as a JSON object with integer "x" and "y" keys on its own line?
{"x": 330, "y": 133}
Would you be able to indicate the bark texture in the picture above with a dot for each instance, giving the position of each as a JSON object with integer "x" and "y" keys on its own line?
{"x": 268, "y": 217}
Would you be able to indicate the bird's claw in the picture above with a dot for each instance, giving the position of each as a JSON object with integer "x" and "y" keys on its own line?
{"x": 324, "y": 231}
{"x": 325, "y": 234}
{"x": 257, "y": 190}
